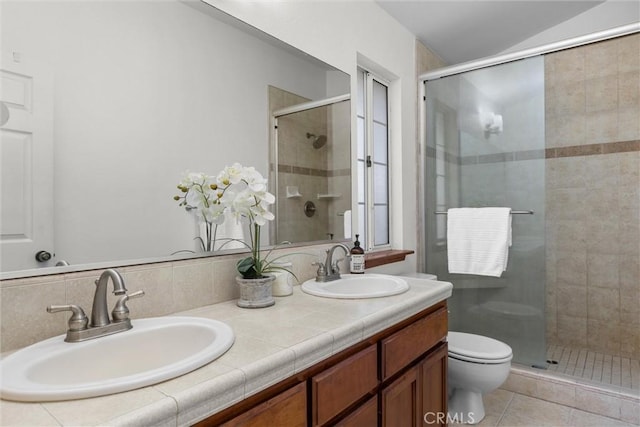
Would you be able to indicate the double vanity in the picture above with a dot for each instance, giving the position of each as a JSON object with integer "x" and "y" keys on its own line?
{"x": 307, "y": 360}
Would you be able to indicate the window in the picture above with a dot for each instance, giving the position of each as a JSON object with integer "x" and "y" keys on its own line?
{"x": 373, "y": 161}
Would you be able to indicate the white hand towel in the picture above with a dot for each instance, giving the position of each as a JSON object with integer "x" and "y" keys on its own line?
{"x": 347, "y": 224}
{"x": 478, "y": 240}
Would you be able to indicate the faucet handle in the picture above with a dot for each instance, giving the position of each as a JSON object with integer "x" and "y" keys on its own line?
{"x": 78, "y": 320}
{"x": 322, "y": 270}
{"x": 121, "y": 311}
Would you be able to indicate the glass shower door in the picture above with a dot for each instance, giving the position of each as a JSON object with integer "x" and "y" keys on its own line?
{"x": 485, "y": 147}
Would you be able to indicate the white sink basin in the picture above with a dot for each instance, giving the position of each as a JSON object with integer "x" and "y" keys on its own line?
{"x": 357, "y": 286}
{"x": 154, "y": 350}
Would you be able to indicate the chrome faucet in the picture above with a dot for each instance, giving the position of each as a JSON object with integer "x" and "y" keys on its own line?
{"x": 101, "y": 325}
{"x": 330, "y": 270}
{"x": 100, "y": 312}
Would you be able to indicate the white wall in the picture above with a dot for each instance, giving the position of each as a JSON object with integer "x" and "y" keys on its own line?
{"x": 338, "y": 32}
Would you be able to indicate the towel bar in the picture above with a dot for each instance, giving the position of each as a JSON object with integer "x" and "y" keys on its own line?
{"x": 513, "y": 212}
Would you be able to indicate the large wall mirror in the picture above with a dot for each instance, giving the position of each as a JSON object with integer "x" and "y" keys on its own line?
{"x": 109, "y": 103}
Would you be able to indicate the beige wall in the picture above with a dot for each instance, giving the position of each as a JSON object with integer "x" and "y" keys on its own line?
{"x": 169, "y": 287}
{"x": 593, "y": 196}
{"x": 426, "y": 60}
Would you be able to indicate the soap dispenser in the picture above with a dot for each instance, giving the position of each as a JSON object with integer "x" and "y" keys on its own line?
{"x": 357, "y": 258}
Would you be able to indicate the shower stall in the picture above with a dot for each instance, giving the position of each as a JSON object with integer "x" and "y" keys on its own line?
{"x": 485, "y": 147}
{"x": 554, "y": 135}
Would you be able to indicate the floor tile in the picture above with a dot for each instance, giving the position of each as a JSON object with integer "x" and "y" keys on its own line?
{"x": 528, "y": 411}
{"x": 585, "y": 419}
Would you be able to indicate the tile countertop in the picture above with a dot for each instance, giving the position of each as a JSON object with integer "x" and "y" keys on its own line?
{"x": 271, "y": 344}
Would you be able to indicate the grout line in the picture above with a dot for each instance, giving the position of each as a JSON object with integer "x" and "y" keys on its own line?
{"x": 504, "y": 411}
{"x": 616, "y": 371}
{"x": 582, "y": 360}
{"x": 606, "y": 368}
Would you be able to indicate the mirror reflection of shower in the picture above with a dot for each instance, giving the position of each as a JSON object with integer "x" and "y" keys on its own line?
{"x": 311, "y": 163}
{"x": 318, "y": 141}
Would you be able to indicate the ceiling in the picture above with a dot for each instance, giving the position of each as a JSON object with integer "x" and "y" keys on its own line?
{"x": 462, "y": 30}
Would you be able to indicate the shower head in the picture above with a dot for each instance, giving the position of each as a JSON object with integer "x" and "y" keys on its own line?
{"x": 318, "y": 141}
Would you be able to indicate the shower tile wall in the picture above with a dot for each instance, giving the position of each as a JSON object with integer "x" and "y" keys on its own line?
{"x": 593, "y": 196}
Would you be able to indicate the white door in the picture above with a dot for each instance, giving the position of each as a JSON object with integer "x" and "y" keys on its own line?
{"x": 26, "y": 161}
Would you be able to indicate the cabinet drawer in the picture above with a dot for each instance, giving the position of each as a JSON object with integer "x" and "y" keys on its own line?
{"x": 335, "y": 389}
{"x": 286, "y": 409}
{"x": 406, "y": 345}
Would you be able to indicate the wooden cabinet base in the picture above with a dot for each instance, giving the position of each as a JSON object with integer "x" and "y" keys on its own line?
{"x": 391, "y": 379}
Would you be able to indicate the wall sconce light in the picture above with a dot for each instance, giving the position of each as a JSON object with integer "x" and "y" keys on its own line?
{"x": 492, "y": 123}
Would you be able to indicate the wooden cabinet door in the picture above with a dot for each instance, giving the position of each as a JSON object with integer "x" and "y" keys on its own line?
{"x": 289, "y": 408}
{"x": 335, "y": 389}
{"x": 365, "y": 416}
{"x": 401, "y": 401}
{"x": 433, "y": 373}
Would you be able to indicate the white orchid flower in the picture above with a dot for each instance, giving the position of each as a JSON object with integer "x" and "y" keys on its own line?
{"x": 255, "y": 181}
{"x": 240, "y": 191}
{"x": 214, "y": 213}
{"x": 231, "y": 175}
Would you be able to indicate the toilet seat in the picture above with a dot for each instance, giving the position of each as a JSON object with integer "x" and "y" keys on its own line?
{"x": 478, "y": 349}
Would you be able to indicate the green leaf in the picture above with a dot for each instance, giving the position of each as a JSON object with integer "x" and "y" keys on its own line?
{"x": 247, "y": 268}
{"x": 245, "y": 265}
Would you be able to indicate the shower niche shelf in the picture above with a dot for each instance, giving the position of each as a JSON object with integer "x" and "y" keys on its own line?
{"x": 293, "y": 192}
{"x": 327, "y": 196}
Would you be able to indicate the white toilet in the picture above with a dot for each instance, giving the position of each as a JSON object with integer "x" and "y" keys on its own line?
{"x": 476, "y": 365}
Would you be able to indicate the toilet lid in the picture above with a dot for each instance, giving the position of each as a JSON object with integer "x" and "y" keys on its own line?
{"x": 478, "y": 348}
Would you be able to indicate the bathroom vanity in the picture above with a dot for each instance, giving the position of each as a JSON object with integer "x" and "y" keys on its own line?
{"x": 399, "y": 373}
{"x": 305, "y": 361}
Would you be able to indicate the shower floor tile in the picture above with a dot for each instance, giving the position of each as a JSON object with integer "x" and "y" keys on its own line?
{"x": 594, "y": 366}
